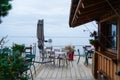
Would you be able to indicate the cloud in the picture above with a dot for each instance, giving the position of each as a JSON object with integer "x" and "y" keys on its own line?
{"x": 23, "y": 17}
{"x": 39, "y": 7}
{"x": 28, "y": 11}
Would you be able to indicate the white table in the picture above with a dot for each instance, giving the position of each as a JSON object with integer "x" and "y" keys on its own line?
{"x": 60, "y": 53}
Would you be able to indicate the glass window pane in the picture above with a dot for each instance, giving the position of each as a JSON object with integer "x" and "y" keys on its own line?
{"x": 113, "y": 28}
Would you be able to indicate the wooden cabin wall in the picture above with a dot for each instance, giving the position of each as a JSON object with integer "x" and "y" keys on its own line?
{"x": 108, "y": 63}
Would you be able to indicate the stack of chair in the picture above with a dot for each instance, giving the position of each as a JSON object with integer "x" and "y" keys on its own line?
{"x": 29, "y": 60}
{"x": 50, "y": 54}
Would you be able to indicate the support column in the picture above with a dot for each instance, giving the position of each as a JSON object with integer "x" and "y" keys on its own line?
{"x": 118, "y": 49}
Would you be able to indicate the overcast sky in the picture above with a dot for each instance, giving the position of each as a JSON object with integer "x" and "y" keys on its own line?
{"x": 23, "y": 17}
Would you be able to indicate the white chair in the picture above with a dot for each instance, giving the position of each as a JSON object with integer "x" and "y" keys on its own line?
{"x": 49, "y": 54}
{"x": 62, "y": 56}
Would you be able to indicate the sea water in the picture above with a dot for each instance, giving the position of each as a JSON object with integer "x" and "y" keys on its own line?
{"x": 60, "y": 43}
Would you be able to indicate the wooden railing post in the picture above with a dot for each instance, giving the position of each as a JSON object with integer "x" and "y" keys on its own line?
{"x": 95, "y": 65}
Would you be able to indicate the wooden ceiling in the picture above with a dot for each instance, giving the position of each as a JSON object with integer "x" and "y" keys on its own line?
{"x": 83, "y": 11}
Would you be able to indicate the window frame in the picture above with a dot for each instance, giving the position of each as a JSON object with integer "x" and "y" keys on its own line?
{"x": 107, "y": 31}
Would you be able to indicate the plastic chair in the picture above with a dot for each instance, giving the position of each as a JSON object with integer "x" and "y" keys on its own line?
{"x": 28, "y": 67}
{"x": 63, "y": 57}
{"x": 30, "y": 58}
{"x": 51, "y": 56}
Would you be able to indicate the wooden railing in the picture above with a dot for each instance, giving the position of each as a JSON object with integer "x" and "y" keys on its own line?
{"x": 106, "y": 65}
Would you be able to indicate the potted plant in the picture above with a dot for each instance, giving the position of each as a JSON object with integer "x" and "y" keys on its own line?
{"x": 70, "y": 50}
{"x": 94, "y": 41}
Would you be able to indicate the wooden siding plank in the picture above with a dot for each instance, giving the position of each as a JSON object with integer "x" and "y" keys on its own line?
{"x": 112, "y": 70}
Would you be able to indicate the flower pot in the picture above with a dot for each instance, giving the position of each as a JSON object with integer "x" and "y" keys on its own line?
{"x": 71, "y": 56}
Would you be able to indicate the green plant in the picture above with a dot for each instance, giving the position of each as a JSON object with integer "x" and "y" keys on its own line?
{"x": 3, "y": 41}
{"x": 92, "y": 41}
{"x": 69, "y": 48}
{"x": 5, "y": 6}
{"x": 12, "y": 67}
{"x": 18, "y": 47}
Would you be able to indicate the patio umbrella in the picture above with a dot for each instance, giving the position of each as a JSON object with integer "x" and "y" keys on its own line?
{"x": 40, "y": 36}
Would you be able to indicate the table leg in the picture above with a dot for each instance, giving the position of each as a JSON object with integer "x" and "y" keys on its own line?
{"x": 86, "y": 58}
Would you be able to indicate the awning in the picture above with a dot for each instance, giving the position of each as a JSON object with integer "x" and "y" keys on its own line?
{"x": 83, "y": 11}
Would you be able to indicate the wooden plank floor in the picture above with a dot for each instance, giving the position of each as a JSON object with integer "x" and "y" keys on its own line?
{"x": 73, "y": 71}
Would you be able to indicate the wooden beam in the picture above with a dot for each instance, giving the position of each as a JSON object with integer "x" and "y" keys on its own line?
{"x": 81, "y": 21}
{"x": 92, "y": 11}
{"x": 99, "y": 7}
{"x": 92, "y": 3}
{"x": 95, "y": 14}
{"x": 101, "y": 10}
{"x": 79, "y": 12}
{"x": 83, "y": 18}
{"x": 89, "y": 17}
{"x": 83, "y": 5}
{"x": 79, "y": 4}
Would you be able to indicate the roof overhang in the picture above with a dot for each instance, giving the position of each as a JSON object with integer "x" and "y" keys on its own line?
{"x": 83, "y": 11}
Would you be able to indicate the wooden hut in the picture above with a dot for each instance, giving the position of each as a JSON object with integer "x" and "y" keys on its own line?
{"x": 106, "y": 61}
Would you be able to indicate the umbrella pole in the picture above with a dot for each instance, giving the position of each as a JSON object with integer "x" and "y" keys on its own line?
{"x": 43, "y": 56}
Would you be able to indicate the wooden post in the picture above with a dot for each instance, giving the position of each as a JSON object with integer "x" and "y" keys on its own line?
{"x": 102, "y": 36}
{"x": 95, "y": 65}
{"x": 118, "y": 49}
{"x": 95, "y": 60}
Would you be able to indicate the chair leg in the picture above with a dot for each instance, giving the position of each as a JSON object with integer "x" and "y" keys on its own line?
{"x": 78, "y": 60}
{"x": 54, "y": 61}
{"x": 59, "y": 62}
{"x": 79, "y": 56}
{"x": 67, "y": 62}
{"x": 34, "y": 69}
{"x": 31, "y": 74}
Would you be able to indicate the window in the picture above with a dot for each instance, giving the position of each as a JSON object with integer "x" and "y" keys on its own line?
{"x": 111, "y": 32}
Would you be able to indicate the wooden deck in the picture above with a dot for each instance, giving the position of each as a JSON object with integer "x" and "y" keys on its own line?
{"x": 73, "y": 71}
